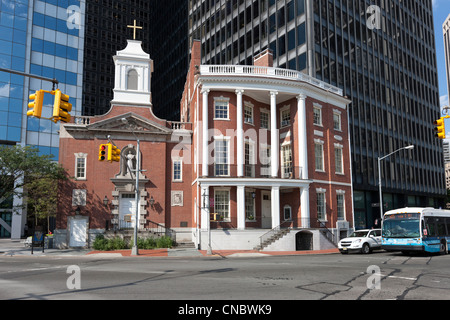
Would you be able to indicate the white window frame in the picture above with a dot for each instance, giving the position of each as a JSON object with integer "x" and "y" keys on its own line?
{"x": 81, "y": 159}
{"x": 340, "y": 193}
{"x": 223, "y": 102}
{"x": 227, "y": 157}
{"x": 262, "y": 124}
{"x": 286, "y": 164}
{"x": 249, "y": 158}
{"x": 265, "y": 160}
{"x": 318, "y": 142}
{"x": 285, "y": 116}
{"x": 226, "y": 217}
{"x": 174, "y": 162}
{"x": 320, "y": 195}
{"x": 250, "y": 205}
{"x": 248, "y": 113}
{"x": 339, "y": 158}
{"x": 317, "y": 120}
{"x": 337, "y": 114}
{"x": 290, "y": 212}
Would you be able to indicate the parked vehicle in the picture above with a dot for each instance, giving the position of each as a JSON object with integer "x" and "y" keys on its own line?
{"x": 363, "y": 241}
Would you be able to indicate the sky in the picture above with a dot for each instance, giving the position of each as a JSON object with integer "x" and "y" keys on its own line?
{"x": 441, "y": 10}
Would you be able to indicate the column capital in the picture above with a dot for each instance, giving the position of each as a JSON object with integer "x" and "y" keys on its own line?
{"x": 301, "y": 96}
{"x": 273, "y": 93}
{"x": 239, "y": 91}
{"x": 203, "y": 91}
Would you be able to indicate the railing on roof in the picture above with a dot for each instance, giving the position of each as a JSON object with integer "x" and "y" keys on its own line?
{"x": 267, "y": 72}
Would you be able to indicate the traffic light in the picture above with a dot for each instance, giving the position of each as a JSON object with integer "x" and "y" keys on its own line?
{"x": 36, "y": 105}
{"x": 61, "y": 107}
{"x": 102, "y": 152}
{"x": 440, "y": 128}
{"x": 113, "y": 153}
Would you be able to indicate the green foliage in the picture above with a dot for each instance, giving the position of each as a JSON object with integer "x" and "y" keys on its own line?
{"x": 23, "y": 168}
{"x": 117, "y": 243}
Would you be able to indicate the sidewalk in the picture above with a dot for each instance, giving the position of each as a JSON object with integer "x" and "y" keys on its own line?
{"x": 10, "y": 247}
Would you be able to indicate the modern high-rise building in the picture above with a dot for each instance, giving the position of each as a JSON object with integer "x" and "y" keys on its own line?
{"x": 446, "y": 31}
{"x": 107, "y": 32}
{"x": 381, "y": 53}
{"x": 43, "y": 38}
{"x": 169, "y": 49}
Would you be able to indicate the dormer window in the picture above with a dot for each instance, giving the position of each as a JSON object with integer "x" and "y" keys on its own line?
{"x": 132, "y": 80}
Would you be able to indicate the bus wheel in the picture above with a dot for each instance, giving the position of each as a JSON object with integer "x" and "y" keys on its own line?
{"x": 443, "y": 248}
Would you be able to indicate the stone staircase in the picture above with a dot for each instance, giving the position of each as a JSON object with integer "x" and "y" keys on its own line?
{"x": 185, "y": 245}
{"x": 275, "y": 236}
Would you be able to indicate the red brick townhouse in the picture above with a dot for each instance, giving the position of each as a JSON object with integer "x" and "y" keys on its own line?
{"x": 258, "y": 150}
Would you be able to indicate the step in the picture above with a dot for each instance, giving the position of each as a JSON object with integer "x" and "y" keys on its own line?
{"x": 185, "y": 245}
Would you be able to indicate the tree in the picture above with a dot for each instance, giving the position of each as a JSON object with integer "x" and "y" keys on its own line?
{"x": 21, "y": 167}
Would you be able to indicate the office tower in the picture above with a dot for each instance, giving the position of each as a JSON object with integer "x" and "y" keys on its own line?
{"x": 446, "y": 31}
{"x": 169, "y": 49}
{"x": 381, "y": 53}
{"x": 44, "y": 38}
{"x": 107, "y": 32}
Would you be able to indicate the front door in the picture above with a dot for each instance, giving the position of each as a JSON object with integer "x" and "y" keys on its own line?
{"x": 127, "y": 210}
{"x": 266, "y": 216}
{"x": 78, "y": 233}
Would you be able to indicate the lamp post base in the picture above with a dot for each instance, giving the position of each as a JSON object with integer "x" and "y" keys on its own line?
{"x": 134, "y": 251}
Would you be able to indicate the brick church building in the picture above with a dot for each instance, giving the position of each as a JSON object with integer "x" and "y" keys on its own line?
{"x": 257, "y": 150}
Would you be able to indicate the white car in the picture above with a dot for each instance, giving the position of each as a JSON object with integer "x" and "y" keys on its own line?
{"x": 363, "y": 241}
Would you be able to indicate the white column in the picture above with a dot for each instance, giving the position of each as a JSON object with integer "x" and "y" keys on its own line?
{"x": 240, "y": 134}
{"x": 240, "y": 207}
{"x": 274, "y": 140}
{"x": 304, "y": 207}
{"x": 205, "y": 136}
{"x": 204, "y": 205}
{"x": 302, "y": 138}
{"x": 275, "y": 203}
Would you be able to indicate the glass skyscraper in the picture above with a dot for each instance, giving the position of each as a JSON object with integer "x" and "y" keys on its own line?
{"x": 380, "y": 52}
{"x": 44, "y": 38}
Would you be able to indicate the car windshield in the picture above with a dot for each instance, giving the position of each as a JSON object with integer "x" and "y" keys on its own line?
{"x": 359, "y": 234}
{"x": 396, "y": 228}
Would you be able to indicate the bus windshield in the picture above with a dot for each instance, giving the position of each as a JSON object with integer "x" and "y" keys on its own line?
{"x": 401, "y": 228}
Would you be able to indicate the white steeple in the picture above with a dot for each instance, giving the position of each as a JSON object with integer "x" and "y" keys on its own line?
{"x": 133, "y": 76}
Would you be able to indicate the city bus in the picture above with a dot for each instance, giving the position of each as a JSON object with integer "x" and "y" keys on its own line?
{"x": 416, "y": 230}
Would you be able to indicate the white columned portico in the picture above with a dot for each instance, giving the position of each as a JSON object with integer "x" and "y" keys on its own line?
{"x": 302, "y": 138}
{"x": 304, "y": 207}
{"x": 274, "y": 141}
{"x": 205, "y": 136}
{"x": 275, "y": 206}
{"x": 240, "y": 207}
{"x": 240, "y": 134}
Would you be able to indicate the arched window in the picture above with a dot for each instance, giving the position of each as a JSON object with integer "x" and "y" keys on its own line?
{"x": 132, "y": 81}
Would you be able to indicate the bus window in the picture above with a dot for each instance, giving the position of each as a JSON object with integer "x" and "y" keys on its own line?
{"x": 431, "y": 228}
{"x": 448, "y": 225}
{"x": 441, "y": 227}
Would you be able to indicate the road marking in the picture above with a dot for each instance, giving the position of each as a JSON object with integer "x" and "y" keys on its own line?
{"x": 396, "y": 277}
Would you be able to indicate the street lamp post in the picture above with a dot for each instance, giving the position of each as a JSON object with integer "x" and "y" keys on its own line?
{"x": 134, "y": 248}
{"x": 410, "y": 147}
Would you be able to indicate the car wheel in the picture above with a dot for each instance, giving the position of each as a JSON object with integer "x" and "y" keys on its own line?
{"x": 365, "y": 248}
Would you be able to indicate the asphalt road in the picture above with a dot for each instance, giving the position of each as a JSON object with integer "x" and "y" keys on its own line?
{"x": 378, "y": 276}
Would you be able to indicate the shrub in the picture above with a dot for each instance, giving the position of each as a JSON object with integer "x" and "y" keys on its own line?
{"x": 116, "y": 243}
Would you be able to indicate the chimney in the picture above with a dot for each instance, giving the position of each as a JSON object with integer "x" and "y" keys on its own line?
{"x": 264, "y": 59}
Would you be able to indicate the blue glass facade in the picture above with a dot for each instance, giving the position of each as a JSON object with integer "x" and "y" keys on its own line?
{"x": 44, "y": 38}
{"x": 40, "y": 39}
{"x": 13, "y": 38}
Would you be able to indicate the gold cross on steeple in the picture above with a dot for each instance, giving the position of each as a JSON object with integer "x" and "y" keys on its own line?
{"x": 134, "y": 27}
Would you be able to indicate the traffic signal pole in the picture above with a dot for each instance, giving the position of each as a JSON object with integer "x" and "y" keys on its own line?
{"x": 54, "y": 81}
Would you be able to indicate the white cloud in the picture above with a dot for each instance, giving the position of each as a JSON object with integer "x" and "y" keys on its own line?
{"x": 444, "y": 100}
